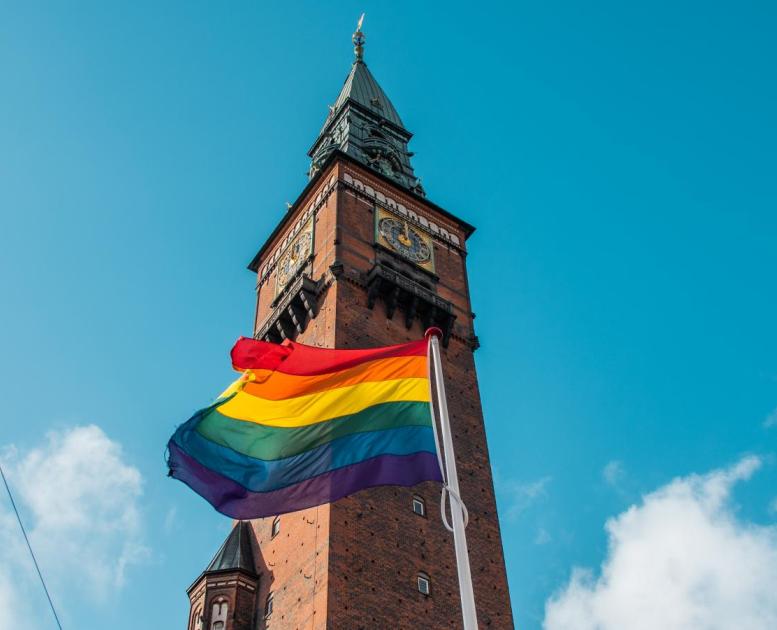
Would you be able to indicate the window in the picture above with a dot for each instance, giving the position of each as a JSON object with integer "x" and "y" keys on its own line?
{"x": 268, "y": 605}
{"x": 419, "y": 505}
{"x": 276, "y": 526}
{"x": 424, "y": 584}
{"x": 219, "y": 615}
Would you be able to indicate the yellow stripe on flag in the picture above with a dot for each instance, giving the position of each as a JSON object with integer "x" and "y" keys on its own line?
{"x": 320, "y": 407}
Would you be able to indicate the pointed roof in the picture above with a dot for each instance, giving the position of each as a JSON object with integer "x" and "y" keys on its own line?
{"x": 364, "y": 125}
{"x": 236, "y": 552}
{"x": 362, "y": 88}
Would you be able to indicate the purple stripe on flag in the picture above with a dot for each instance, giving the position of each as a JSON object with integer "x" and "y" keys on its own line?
{"x": 232, "y": 499}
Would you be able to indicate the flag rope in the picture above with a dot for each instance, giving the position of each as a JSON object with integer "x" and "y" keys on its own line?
{"x": 446, "y": 489}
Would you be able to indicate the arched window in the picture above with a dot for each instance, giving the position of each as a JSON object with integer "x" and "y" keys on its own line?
{"x": 197, "y": 619}
{"x": 424, "y": 583}
{"x": 419, "y": 505}
{"x": 218, "y": 619}
{"x": 276, "y": 526}
{"x": 268, "y": 605}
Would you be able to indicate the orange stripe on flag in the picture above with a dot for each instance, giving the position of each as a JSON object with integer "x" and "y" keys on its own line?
{"x": 272, "y": 385}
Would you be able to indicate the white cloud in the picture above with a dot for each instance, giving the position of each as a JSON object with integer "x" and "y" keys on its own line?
{"x": 543, "y": 537}
{"x": 14, "y": 606}
{"x": 613, "y": 472}
{"x": 171, "y": 520}
{"x": 80, "y": 505}
{"x": 681, "y": 560}
{"x": 773, "y": 506}
{"x": 519, "y": 495}
{"x": 771, "y": 419}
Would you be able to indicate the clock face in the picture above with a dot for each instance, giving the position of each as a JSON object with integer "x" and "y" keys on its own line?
{"x": 405, "y": 240}
{"x": 295, "y": 256}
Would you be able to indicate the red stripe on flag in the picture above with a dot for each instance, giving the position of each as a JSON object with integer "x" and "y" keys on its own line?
{"x": 301, "y": 360}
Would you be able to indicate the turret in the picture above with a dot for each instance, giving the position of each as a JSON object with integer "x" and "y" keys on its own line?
{"x": 224, "y": 597}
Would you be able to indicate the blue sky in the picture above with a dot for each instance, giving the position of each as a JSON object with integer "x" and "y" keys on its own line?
{"x": 619, "y": 163}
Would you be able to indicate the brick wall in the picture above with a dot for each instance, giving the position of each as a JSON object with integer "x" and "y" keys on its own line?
{"x": 234, "y": 588}
{"x": 353, "y": 564}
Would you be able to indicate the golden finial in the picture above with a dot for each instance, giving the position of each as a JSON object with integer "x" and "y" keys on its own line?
{"x": 358, "y": 40}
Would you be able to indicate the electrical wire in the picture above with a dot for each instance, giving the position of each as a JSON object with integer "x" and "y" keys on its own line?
{"x": 27, "y": 540}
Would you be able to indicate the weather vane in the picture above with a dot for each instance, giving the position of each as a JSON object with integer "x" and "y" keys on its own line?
{"x": 358, "y": 40}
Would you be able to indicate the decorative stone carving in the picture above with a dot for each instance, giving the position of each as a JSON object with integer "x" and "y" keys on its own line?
{"x": 415, "y": 300}
{"x": 292, "y": 311}
{"x": 218, "y": 619}
{"x": 364, "y": 124}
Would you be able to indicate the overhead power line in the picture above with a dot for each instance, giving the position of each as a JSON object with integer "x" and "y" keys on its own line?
{"x": 29, "y": 546}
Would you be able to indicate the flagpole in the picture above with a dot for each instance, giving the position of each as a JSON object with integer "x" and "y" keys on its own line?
{"x": 458, "y": 510}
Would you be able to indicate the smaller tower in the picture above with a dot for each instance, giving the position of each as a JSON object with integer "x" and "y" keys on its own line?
{"x": 224, "y": 596}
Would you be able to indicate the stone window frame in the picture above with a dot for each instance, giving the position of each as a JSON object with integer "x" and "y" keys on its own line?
{"x": 219, "y": 601}
{"x": 198, "y": 618}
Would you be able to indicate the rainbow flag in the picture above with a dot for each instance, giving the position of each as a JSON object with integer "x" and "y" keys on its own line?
{"x": 304, "y": 426}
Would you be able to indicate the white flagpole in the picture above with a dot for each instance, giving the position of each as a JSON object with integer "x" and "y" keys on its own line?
{"x": 458, "y": 511}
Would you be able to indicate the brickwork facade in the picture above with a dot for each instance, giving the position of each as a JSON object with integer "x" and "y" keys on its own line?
{"x": 355, "y": 563}
{"x": 227, "y": 598}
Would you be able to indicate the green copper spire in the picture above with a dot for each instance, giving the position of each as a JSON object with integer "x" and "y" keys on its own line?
{"x": 236, "y": 552}
{"x": 364, "y": 124}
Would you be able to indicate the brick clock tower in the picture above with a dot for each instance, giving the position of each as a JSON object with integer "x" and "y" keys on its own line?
{"x": 363, "y": 258}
